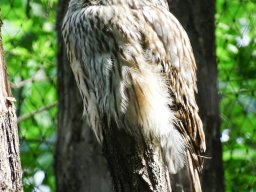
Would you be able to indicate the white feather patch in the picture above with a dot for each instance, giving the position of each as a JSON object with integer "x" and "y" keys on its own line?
{"x": 156, "y": 117}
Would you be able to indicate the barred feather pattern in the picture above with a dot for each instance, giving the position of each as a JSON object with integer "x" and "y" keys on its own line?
{"x": 133, "y": 63}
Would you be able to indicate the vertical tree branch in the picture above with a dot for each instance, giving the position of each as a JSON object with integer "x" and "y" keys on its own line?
{"x": 135, "y": 164}
{"x": 10, "y": 168}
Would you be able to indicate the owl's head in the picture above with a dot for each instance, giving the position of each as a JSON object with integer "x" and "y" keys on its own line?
{"x": 86, "y": 2}
{"x": 79, "y": 4}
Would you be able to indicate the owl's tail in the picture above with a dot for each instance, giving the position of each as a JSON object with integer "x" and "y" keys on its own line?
{"x": 187, "y": 179}
{"x": 193, "y": 174}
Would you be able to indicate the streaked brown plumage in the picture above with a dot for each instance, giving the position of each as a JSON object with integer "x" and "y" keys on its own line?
{"x": 133, "y": 62}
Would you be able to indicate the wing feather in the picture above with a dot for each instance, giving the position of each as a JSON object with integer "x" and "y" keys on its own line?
{"x": 179, "y": 69}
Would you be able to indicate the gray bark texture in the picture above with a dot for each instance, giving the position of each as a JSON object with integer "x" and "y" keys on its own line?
{"x": 197, "y": 17}
{"x": 10, "y": 168}
{"x": 134, "y": 166}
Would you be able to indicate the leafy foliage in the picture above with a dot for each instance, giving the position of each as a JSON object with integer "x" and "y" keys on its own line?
{"x": 236, "y": 38}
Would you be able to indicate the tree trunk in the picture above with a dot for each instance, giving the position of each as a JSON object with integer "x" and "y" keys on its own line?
{"x": 10, "y": 168}
{"x": 197, "y": 17}
{"x": 135, "y": 164}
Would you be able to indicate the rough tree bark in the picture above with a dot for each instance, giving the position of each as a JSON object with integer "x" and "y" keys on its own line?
{"x": 197, "y": 17}
{"x": 79, "y": 163}
{"x": 10, "y": 168}
{"x": 135, "y": 164}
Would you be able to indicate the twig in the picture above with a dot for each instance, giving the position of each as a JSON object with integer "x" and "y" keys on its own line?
{"x": 34, "y": 77}
{"x": 28, "y": 115}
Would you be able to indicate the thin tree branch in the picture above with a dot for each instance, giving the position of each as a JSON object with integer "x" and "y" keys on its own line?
{"x": 29, "y": 115}
{"x": 36, "y": 77}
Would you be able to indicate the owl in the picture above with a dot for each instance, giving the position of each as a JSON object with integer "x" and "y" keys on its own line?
{"x": 133, "y": 63}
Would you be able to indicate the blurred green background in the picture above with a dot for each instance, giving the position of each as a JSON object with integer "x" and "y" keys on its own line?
{"x": 29, "y": 41}
{"x": 236, "y": 59}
